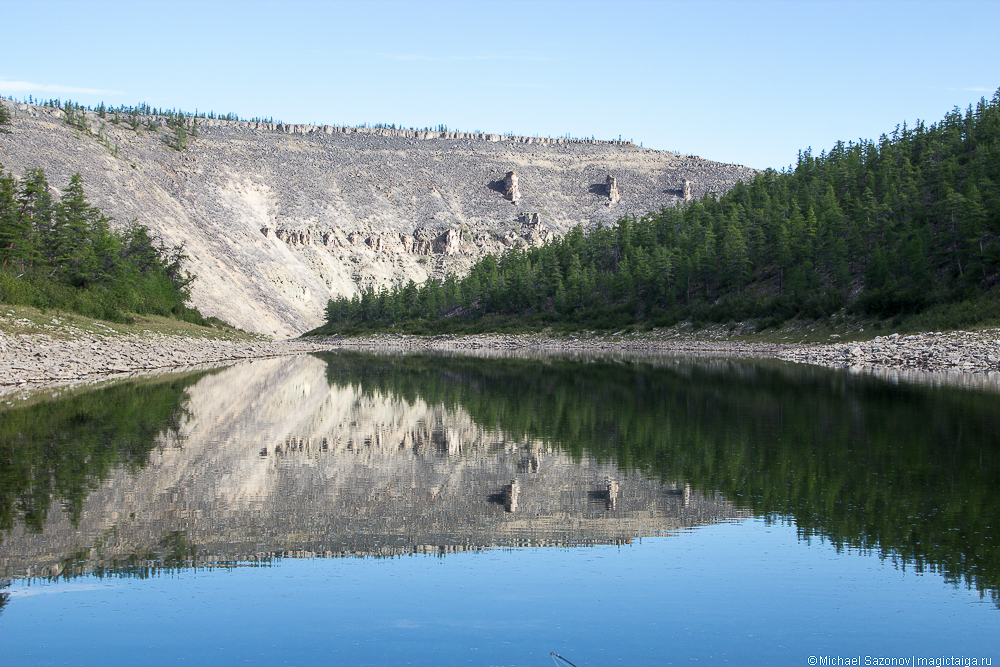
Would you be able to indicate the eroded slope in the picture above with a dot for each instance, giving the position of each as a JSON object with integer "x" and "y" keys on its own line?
{"x": 276, "y": 219}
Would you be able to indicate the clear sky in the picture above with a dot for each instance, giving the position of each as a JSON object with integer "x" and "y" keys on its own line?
{"x": 741, "y": 81}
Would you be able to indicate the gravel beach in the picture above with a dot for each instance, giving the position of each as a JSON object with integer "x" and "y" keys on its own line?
{"x": 30, "y": 361}
{"x": 36, "y": 360}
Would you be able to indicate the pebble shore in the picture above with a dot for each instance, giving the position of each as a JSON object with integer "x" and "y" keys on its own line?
{"x": 31, "y": 361}
{"x": 966, "y": 351}
{"x": 28, "y": 361}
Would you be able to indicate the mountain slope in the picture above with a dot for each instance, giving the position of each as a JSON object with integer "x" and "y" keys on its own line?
{"x": 276, "y": 219}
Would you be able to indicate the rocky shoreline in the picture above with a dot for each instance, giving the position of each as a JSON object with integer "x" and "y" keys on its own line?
{"x": 31, "y": 361}
{"x": 34, "y": 361}
{"x": 958, "y": 358}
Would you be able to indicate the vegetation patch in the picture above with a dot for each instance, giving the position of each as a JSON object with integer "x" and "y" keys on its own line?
{"x": 64, "y": 255}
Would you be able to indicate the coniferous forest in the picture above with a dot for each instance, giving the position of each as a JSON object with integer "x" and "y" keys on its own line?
{"x": 63, "y": 254}
{"x": 879, "y": 229}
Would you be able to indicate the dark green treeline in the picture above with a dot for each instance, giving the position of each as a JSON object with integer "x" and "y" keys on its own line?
{"x": 887, "y": 228}
{"x": 63, "y": 254}
{"x": 58, "y": 451}
{"x": 911, "y": 473}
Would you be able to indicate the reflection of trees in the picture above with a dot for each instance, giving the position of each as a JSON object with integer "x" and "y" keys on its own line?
{"x": 908, "y": 472}
{"x": 173, "y": 553}
{"x": 62, "y": 449}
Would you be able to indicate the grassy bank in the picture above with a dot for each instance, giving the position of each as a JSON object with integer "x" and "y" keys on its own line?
{"x": 25, "y": 320}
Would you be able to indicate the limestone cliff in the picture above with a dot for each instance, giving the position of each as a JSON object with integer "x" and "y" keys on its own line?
{"x": 278, "y": 218}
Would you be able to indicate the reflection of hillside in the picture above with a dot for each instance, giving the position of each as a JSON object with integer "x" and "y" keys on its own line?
{"x": 909, "y": 472}
{"x": 275, "y": 461}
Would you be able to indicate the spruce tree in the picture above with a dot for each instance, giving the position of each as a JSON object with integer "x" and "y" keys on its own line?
{"x": 5, "y": 120}
{"x": 78, "y": 235}
{"x": 11, "y": 229}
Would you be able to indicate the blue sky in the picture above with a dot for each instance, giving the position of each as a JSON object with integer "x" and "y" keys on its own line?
{"x": 742, "y": 81}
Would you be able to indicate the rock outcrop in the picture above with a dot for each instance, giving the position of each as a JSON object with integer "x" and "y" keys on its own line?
{"x": 687, "y": 189}
{"x": 277, "y": 218}
{"x": 532, "y": 230}
{"x": 511, "y": 189}
{"x": 612, "y": 184}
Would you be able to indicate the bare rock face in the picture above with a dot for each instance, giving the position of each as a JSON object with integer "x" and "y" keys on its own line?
{"x": 277, "y": 218}
{"x": 612, "y": 184}
{"x": 533, "y": 233}
{"x": 511, "y": 190}
{"x": 686, "y": 189}
{"x": 452, "y": 242}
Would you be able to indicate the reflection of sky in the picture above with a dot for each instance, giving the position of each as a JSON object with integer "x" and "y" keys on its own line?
{"x": 742, "y": 593}
{"x": 50, "y": 588}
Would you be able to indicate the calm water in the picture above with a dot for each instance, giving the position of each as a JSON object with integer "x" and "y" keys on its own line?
{"x": 361, "y": 509}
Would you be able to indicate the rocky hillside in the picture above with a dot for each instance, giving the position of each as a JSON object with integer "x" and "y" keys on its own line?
{"x": 278, "y": 218}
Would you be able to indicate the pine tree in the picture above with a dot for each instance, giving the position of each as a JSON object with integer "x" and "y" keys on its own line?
{"x": 911, "y": 220}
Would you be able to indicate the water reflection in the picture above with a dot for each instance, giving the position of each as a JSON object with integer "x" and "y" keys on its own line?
{"x": 909, "y": 472}
{"x": 273, "y": 460}
{"x": 57, "y": 450}
{"x": 360, "y": 454}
